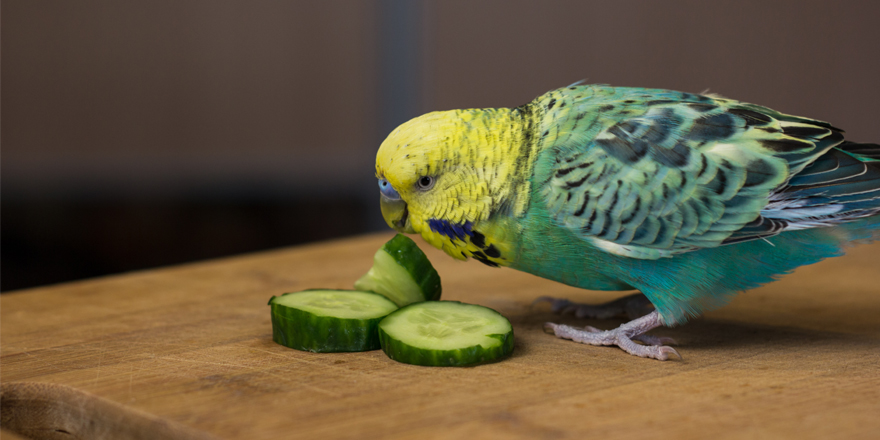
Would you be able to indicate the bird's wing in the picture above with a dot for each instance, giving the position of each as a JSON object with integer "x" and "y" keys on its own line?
{"x": 662, "y": 177}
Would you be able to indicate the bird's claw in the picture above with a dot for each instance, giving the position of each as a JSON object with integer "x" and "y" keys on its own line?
{"x": 623, "y": 337}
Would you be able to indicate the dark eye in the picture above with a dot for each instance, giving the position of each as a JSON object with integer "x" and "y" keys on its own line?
{"x": 426, "y": 183}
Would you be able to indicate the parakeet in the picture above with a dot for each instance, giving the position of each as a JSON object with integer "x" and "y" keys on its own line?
{"x": 687, "y": 198}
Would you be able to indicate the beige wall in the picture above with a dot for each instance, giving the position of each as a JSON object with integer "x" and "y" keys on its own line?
{"x": 811, "y": 57}
{"x": 158, "y": 97}
{"x": 153, "y": 97}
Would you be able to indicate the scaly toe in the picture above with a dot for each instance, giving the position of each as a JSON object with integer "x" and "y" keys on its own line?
{"x": 588, "y": 335}
{"x": 623, "y": 337}
{"x": 659, "y": 352}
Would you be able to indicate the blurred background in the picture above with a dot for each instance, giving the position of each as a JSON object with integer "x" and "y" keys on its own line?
{"x": 138, "y": 134}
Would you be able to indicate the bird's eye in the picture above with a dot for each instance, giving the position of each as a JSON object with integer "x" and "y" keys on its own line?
{"x": 387, "y": 190}
{"x": 426, "y": 183}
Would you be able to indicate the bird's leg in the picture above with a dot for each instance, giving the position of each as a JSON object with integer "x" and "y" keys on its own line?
{"x": 622, "y": 337}
{"x": 632, "y": 306}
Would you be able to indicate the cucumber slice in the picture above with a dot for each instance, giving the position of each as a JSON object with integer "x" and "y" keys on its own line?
{"x": 445, "y": 333}
{"x": 402, "y": 273}
{"x": 328, "y": 320}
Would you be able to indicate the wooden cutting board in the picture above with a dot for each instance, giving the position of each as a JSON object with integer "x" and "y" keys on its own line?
{"x": 186, "y": 352}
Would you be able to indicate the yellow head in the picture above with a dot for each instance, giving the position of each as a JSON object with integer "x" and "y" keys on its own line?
{"x": 454, "y": 167}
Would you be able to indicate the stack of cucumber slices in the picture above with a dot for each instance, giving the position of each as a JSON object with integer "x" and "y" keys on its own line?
{"x": 395, "y": 307}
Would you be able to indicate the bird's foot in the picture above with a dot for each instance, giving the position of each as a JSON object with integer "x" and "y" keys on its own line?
{"x": 632, "y": 306}
{"x": 623, "y": 337}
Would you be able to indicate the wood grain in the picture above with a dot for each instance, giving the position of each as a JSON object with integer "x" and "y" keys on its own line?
{"x": 45, "y": 410}
{"x": 191, "y": 345}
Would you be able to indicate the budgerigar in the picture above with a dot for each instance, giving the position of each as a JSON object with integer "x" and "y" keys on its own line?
{"x": 687, "y": 198}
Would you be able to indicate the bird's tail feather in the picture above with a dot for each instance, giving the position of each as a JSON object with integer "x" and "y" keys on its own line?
{"x": 841, "y": 186}
{"x": 863, "y": 152}
{"x": 846, "y": 178}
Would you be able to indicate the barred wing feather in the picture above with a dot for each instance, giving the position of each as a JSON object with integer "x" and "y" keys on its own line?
{"x": 676, "y": 176}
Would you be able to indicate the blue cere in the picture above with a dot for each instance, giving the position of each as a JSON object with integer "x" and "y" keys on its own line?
{"x": 387, "y": 190}
{"x": 451, "y": 230}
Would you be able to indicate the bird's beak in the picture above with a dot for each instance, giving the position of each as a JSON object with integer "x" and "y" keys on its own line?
{"x": 396, "y": 215}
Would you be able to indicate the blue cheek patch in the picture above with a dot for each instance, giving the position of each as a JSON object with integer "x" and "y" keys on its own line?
{"x": 451, "y": 230}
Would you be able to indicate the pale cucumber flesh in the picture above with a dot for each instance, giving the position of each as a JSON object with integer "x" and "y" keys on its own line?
{"x": 329, "y": 320}
{"x": 391, "y": 280}
{"x": 402, "y": 273}
{"x": 345, "y": 304}
{"x": 446, "y": 333}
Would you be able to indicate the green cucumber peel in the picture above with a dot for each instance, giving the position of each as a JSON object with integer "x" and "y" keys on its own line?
{"x": 402, "y": 273}
{"x": 446, "y": 333}
{"x": 325, "y": 320}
